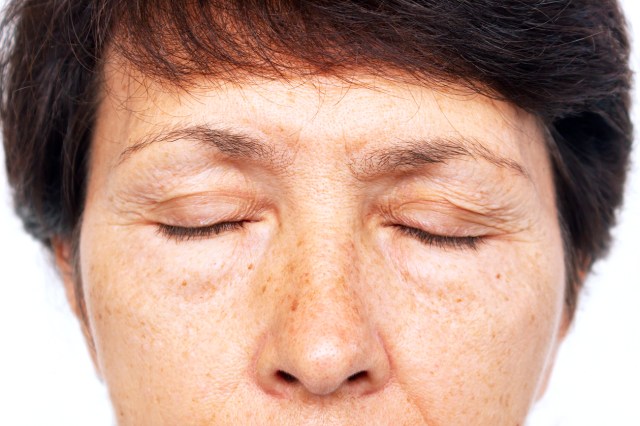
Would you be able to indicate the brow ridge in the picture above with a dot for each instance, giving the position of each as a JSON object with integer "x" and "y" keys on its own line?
{"x": 403, "y": 155}
{"x": 231, "y": 143}
{"x": 408, "y": 155}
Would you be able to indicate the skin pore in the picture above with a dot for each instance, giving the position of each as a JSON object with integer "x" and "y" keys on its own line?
{"x": 317, "y": 252}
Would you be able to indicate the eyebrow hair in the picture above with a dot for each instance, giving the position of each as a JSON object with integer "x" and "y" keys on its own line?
{"x": 403, "y": 155}
{"x": 407, "y": 155}
{"x": 236, "y": 145}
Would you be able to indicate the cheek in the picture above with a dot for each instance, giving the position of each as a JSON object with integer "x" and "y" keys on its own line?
{"x": 168, "y": 316}
{"x": 478, "y": 328}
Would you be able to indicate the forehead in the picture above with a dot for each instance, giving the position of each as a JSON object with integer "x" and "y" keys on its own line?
{"x": 352, "y": 112}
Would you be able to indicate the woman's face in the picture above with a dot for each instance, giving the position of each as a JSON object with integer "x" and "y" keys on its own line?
{"x": 317, "y": 252}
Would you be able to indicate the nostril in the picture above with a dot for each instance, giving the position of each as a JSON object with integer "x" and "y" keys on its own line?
{"x": 286, "y": 376}
{"x": 357, "y": 376}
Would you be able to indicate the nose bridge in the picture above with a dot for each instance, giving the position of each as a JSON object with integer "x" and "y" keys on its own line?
{"x": 325, "y": 256}
{"x": 323, "y": 274}
{"x": 324, "y": 291}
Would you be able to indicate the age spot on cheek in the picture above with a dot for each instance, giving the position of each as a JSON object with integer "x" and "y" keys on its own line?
{"x": 193, "y": 287}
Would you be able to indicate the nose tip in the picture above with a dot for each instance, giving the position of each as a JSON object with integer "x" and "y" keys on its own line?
{"x": 323, "y": 365}
{"x": 324, "y": 368}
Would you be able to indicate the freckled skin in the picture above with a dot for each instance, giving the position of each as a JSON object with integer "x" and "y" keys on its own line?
{"x": 319, "y": 310}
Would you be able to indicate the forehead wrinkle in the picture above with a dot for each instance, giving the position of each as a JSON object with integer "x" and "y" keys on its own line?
{"x": 231, "y": 143}
{"x": 407, "y": 155}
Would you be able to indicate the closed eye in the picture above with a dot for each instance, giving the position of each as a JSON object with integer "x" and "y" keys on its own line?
{"x": 441, "y": 241}
{"x": 181, "y": 233}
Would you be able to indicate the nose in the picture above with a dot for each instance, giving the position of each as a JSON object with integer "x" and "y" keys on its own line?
{"x": 321, "y": 342}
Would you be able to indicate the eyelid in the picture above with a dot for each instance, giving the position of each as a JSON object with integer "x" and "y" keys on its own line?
{"x": 426, "y": 206}
{"x": 181, "y": 233}
{"x": 458, "y": 234}
{"x": 433, "y": 221}
{"x": 442, "y": 241}
{"x": 207, "y": 209}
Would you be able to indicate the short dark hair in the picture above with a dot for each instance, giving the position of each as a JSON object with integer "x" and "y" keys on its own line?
{"x": 566, "y": 62}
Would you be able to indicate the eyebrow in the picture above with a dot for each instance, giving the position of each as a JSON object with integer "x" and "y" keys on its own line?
{"x": 408, "y": 155}
{"x": 401, "y": 156}
{"x": 233, "y": 144}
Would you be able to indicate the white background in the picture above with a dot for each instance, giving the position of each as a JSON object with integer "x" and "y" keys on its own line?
{"x": 46, "y": 376}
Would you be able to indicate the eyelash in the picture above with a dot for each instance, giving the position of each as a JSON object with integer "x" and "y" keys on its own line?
{"x": 441, "y": 241}
{"x": 180, "y": 233}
